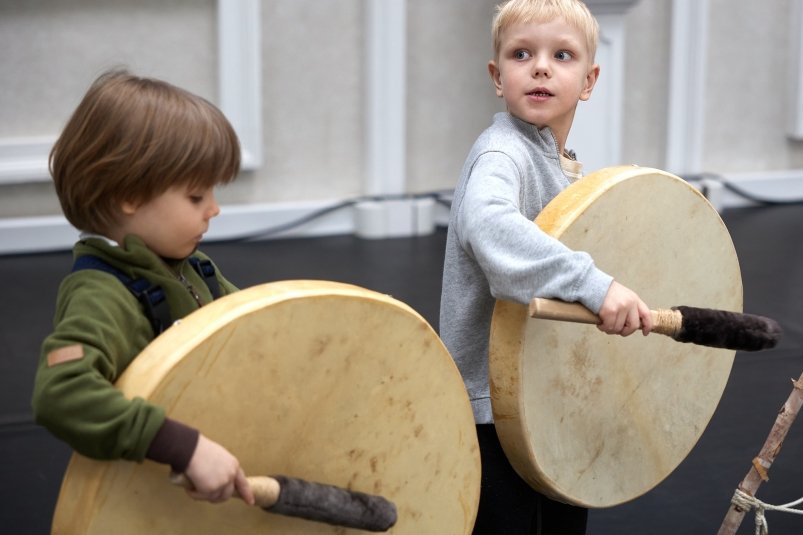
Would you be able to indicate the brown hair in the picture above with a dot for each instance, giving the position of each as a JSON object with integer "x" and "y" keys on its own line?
{"x": 574, "y": 12}
{"x": 130, "y": 140}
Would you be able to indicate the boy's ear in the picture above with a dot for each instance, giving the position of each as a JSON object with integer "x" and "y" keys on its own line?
{"x": 496, "y": 77}
{"x": 590, "y": 81}
{"x": 128, "y": 207}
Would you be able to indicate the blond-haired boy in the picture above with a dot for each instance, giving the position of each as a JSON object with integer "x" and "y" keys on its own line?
{"x": 543, "y": 66}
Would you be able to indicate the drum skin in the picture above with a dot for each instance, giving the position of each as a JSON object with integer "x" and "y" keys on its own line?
{"x": 318, "y": 380}
{"x": 597, "y": 420}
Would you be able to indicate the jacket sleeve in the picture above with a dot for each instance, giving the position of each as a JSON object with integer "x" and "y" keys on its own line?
{"x": 519, "y": 260}
{"x": 98, "y": 329}
{"x": 226, "y": 287}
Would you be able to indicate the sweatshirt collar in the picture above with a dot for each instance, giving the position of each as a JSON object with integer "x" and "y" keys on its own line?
{"x": 540, "y": 136}
{"x": 132, "y": 252}
{"x": 545, "y": 138}
{"x": 83, "y": 236}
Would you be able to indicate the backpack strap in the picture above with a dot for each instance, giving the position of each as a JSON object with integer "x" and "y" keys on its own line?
{"x": 207, "y": 272}
{"x": 151, "y": 297}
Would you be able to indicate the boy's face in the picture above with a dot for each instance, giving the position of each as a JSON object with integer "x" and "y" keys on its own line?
{"x": 172, "y": 224}
{"x": 542, "y": 71}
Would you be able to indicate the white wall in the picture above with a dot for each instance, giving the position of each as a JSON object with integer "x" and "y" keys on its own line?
{"x": 646, "y": 96}
{"x": 313, "y": 88}
{"x": 53, "y": 50}
{"x": 313, "y": 94}
{"x": 450, "y": 95}
{"x": 747, "y": 100}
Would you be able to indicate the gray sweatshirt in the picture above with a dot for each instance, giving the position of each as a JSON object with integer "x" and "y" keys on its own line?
{"x": 495, "y": 251}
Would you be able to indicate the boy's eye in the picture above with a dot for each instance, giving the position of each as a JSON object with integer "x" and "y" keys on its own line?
{"x": 521, "y": 54}
{"x": 196, "y": 199}
{"x": 563, "y": 55}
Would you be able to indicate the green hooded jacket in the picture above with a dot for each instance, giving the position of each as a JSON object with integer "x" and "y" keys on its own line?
{"x": 99, "y": 327}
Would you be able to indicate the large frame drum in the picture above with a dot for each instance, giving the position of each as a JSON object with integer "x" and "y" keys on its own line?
{"x": 317, "y": 380}
{"x": 598, "y": 420}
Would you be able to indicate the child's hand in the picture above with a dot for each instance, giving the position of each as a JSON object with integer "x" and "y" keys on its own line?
{"x": 623, "y": 312}
{"x": 216, "y": 474}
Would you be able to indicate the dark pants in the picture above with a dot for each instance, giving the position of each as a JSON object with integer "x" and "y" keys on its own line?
{"x": 509, "y": 506}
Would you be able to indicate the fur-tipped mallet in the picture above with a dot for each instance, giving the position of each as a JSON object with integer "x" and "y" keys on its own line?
{"x": 317, "y": 502}
{"x": 701, "y": 326}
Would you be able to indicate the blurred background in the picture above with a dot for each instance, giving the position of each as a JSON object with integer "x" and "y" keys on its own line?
{"x": 339, "y": 100}
{"x": 355, "y": 117}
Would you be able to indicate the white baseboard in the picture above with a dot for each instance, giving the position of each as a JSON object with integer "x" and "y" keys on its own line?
{"x": 369, "y": 219}
{"x": 35, "y": 234}
{"x": 24, "y": 160}
{"x": 736, "y": 190}
{"x": 394, "y": 218}
{"x": 253, "y": 221}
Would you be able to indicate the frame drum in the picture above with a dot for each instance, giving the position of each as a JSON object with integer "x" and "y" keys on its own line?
{"x": 597, "y": 420}
{"x": 317, "y": 380}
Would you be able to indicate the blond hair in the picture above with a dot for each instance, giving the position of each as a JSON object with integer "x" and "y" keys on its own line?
{"x": 574, "y": 12}
{"x": 130, "y": 140}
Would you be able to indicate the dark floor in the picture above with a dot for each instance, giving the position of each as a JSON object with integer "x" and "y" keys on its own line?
{"x": 693, "y": 500}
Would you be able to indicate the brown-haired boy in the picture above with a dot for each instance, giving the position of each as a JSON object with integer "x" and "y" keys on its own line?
{"x": 543, "y": 66}
{"x": 134, "y": 170}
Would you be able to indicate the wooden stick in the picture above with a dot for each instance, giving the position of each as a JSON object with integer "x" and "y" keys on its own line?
{"x": 666, "y": 322}
{"x": 266, "y": 489}
{"x": 762, "y": 463}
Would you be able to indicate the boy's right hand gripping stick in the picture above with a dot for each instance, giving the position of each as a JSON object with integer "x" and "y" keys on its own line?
{"x": 701, "y": 326}
{"x": 316, "y": 501}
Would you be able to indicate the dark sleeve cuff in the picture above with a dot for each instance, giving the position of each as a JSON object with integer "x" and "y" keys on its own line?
{"x": 173, "y": 444}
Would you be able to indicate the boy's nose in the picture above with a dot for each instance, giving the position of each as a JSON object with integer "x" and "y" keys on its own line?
{"x": 213, "y": 209}
{"x": 541, "y": 66}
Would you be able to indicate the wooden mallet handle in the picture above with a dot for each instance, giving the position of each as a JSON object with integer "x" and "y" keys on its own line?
{"x": 266, "y": 489}
{"x": 666, "y": 322}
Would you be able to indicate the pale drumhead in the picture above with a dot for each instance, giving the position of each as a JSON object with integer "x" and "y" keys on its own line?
{"x": 598, "y": 420}
{"x": 317, "y": 380}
